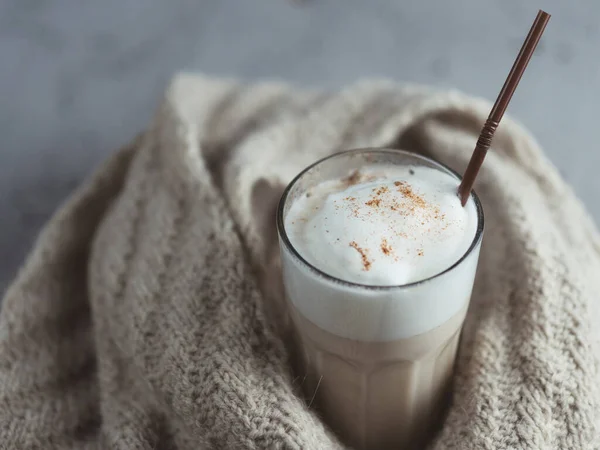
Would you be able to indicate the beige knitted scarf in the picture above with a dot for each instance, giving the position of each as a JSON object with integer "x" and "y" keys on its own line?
{"x": 147, "y": 314}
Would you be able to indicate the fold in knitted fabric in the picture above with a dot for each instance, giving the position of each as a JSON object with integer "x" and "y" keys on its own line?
{"x": 149, "y": 312}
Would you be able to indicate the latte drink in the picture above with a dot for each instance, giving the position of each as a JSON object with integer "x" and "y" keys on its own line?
{"x": 379, "y": 259}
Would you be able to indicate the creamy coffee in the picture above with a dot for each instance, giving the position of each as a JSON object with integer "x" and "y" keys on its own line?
{"x": 379, "y": 395}
{"x": 378, "y": 263}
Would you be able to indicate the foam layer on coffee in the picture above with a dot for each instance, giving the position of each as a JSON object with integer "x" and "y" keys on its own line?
{"x": 383, "y": 226}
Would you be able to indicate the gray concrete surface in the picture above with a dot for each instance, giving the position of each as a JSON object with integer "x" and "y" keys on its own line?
{"x": 79, "y": 78}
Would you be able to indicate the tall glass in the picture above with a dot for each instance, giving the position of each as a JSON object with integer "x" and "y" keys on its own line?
{"x": 375, "y": 361}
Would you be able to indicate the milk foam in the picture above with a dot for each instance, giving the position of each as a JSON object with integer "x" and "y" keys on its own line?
{"x": 383, "y": 226}
{"x": 426, "y": 232}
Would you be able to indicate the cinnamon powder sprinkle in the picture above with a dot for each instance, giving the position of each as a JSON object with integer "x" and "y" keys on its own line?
{"x": 363, "y": 254}
{"x": 407, "y": 191}
{"x": 376, "y": 200}
{"x": 381, "y": 190}
{"x": 385, "y": 247}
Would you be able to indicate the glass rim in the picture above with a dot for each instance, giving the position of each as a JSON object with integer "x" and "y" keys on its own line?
{"x": 315, "y": 270}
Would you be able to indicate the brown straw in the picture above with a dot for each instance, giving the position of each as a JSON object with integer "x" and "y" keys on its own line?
{"x": 487, "y": 132}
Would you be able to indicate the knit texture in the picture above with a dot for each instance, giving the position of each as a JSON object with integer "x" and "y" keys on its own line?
{"x": 148, "y": 314}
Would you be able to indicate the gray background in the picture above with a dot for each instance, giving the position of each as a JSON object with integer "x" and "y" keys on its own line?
{"x": 79, "y": 78}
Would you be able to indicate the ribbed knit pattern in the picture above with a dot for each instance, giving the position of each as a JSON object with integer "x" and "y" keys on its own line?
{"x": 148, "y": 314}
